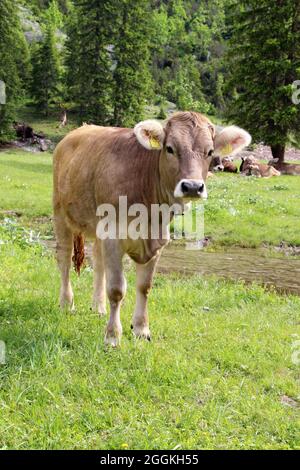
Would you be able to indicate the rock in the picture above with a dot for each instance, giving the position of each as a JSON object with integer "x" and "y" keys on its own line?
{"x": 43, "y": 145}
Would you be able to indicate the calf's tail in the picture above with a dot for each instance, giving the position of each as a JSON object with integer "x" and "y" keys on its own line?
{"x": 78, "y": 253}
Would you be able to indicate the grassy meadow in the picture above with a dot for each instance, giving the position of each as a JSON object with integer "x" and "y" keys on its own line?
{"x": 240, "y": 211}
{"x": 218, "y": 373}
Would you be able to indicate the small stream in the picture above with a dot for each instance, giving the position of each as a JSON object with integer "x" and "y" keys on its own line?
{"x": 246, "y": 264}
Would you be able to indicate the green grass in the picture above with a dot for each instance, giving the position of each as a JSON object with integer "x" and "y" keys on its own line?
{"x": 240, "y": 211}
{"x": 213, "y": 378}
{"x": 209, "y": 379}
{"x": 26, "y": 188}
{"x": 249, "y": 211}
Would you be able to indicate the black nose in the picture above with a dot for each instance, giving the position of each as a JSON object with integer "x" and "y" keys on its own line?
{"x": 192, "y": 188}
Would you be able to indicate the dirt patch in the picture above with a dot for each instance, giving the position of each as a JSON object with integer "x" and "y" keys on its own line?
{"x": 288, "y": 401}
{"x": 11, "y": 213}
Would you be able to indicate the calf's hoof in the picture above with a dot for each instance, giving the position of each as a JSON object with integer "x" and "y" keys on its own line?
{"x": 99, "y": 308}
{"x": 113, "y": 338}
{"x": 67, "y": 305}
{"x": 141, "y": 332}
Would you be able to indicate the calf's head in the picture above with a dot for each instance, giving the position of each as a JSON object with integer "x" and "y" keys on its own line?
{"x": 216, "y": 164}
{"x": 188, "y": 142}
{"x": 248, "y": 163}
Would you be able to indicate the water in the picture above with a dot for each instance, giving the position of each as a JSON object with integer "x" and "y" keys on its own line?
{"x": 239, "y": 264}
{"x": 249, "y": 265}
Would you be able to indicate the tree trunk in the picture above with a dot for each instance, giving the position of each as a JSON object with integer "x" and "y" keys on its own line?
{"x": 278, "y": 151}
{"x": 63, "y": 118}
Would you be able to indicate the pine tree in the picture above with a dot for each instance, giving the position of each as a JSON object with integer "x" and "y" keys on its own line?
{"x": 132, "y": 79}
{"x": 40, "y": 5}
{"x": 10, "y": 65}
{"x": 265, "y": 61}
{"x": 89, "y": 62}
{"x": 46, "y": 61}
{"x": 45, "y": 70}
{"x": 185, "y": 43}
{"x": 54, "y": 15}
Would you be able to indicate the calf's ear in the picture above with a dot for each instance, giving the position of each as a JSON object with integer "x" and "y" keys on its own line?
{"x": 231, "y": 140}
{"x": 150, "y": 134}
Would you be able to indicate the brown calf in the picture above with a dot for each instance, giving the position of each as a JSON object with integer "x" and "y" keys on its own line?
{"x": 229, "y": 166}
{"x": 251, "y": 167}
{"x": 216, "y": 164}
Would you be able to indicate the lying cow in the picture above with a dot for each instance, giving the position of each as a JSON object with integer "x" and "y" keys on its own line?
{"x": 150, "y": 164}
{"x": 252, "y": 167}
{"x": 216, "y": 164}
{"x": 228, "y": 165}
{"x": 223, "y": 164}
{"x": 285, "y": 168}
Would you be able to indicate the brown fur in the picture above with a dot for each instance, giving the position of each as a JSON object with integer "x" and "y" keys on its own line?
{"x": 78, "y": 252}
{"x": 292, "y": 169}
{"x": 216, "y": 164}
{"x": 229, "y": 166}
{"x": 95, "y": 165}
{"x": 191, "y": 119}
{"x": 251, "y": 167}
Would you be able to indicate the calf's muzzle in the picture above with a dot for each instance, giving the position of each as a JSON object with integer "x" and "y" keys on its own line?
{"x": 191, "y": 189}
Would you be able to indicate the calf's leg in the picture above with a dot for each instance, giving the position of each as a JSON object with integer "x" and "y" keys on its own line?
{"x": 116, "y": 289}
{"x": 99, "y": 295}
{"x": 144, "y": 277}
{"x": 64, "y": 247}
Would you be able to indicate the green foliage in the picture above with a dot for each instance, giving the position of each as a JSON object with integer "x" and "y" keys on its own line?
{"x": 39, "y": 6}
{"x": 119, "y": 51}
{"x": 108, "y": 60}
{"x": 184, "y": 45}
{"x": 131, "y": 76}
{"x": 108, "y": 68}
{"x": 13, "y": 64}
{"x": 89, "y": 60}
{"x": 264, "y": 62}
{"x": 46, "y": 70}
{"x": 53, "y": 15}
{"x": 162, "y": 114}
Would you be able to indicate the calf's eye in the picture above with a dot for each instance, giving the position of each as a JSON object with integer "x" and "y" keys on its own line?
{"x": 169, "y": 149}
{"x": 210, "y": 153}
